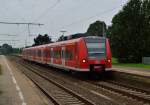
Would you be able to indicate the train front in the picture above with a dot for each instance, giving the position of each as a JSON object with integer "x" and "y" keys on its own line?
{"x": 98, "y": 54}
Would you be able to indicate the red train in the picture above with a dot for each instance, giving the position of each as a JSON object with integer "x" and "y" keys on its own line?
{"x": 85, "y": 54}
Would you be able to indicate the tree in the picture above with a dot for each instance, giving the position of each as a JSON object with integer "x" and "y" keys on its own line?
{"x": 97, "y": 28}
{"x": 145, "y": 12}
{"x": 6, "y": 49}
{"x": 129, "y": 33}
{"x": 61, "y": 38}
{"x": 17, "y": 50}
{"x": 39, "y": 40}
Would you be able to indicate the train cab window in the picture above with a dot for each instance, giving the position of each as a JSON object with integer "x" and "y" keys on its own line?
{"x": 96, "y": 47}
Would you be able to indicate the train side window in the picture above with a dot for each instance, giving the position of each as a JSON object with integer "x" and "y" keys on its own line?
{"x": 69, "y": 54}
{"x": 63, "y": 54}
{"x": 57, "y": 54}
{"x": 44, "y": 53}
{"x": 39, "y": 53}
{"x": 54, "y": 54}
{"x": 34, "y": 53}
{"x": 51, "y": 54}
{"x": 31, "y": 52}
{"x": 47, "y": 54}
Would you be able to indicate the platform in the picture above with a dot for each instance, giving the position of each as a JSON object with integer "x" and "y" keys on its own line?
{"x": 132, "y": 70}
{"x": 16, "y": 88}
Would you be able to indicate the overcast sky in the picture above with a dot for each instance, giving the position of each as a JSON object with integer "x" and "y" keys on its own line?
{"x": 73, "y": 16}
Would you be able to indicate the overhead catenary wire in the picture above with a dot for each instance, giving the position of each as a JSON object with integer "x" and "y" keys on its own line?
{"x": 88, "y": 18}
{"x": 19, "y": 23}
{"x": 47, "y": 10}
{"x": 78, "y": 21}
{"x": 10, "y": 13}
{"x": 8, "y": 35}
{"x": 9, "y": 40}
{"x": 83, "y": 19}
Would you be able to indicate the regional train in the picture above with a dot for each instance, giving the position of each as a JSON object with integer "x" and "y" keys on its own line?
{"x": 84, "y": 54}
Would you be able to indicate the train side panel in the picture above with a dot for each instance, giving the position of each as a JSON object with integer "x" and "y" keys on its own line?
{"x": 108, "y": 55}
{"x": 71, "y": 55}
{"x": 82, "y": 56}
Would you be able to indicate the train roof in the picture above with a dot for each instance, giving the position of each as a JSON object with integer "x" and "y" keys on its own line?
{"x": 66, "y": 42}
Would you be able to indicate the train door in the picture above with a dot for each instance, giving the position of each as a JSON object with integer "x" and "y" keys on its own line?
{"x": 63, "y": 56}
{"x": 51, "y": 55}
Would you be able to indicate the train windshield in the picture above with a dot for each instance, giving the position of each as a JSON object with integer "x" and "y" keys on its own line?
{"x": 96, "y": 47}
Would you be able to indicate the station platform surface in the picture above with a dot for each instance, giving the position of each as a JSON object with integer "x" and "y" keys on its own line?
{"x": 132, "y": 70}
{"x": 16, "y": 88}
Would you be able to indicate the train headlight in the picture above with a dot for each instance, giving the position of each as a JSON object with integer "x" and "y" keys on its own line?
{"x": 83, "y": 60}
{"x": 109, "y": 60}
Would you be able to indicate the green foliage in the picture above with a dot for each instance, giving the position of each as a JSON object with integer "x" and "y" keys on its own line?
{"x": 97, "y": 28}
{"x": 6, "y": 49}
{"x": 129, "y": 33}
{"x": 39, "y": 40}
{"x": 17, "y": 50}
{"x": 61, "y": 38}
{"x": 114, "y": 60}
{"x": 136, "y": 65}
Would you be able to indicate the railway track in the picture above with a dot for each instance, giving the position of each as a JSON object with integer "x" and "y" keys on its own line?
{"x": 55, "y": 91}
{"x": 133, "y": 92}
{"x": 130, "y": 92}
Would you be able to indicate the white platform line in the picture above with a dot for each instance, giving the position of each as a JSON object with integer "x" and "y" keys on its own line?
{"x": 15, "y": 82}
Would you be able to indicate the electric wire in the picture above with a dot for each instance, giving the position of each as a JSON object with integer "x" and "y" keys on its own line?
{"x": 88, "y": 18}
{"x": 47, "y": 10}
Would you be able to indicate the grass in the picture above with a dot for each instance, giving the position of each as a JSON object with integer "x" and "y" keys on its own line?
{"x": 137, "y": 65}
